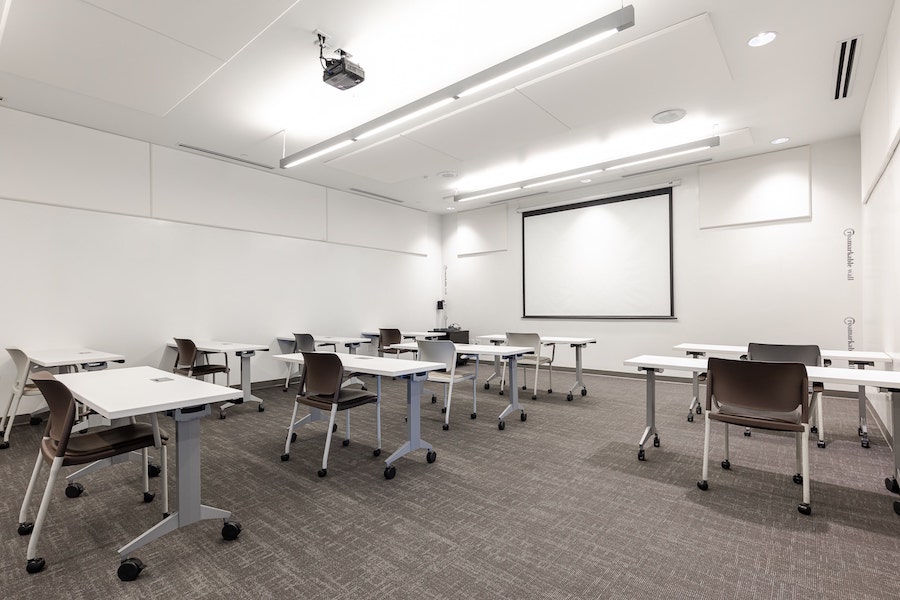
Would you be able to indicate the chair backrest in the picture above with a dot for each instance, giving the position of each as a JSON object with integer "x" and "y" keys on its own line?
{"x": 62, "y": 412}
{"x": 386, "y": 337}
{"x": 809, "y": 355}
{"x": 304, "y": 342}
{"x": 20, "y": 359}
{"x": 441, "y": 351}
{"x": 778, "y": 387}
{"x": 532, "y": 340}
{"x": 187, "y": 353}
{"x": 323, "y": 373}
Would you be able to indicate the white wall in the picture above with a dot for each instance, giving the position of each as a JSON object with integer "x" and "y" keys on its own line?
{"x": 880, "y": 133}
{"x": 105, "y": 246}
{"x": 777, "y": 282}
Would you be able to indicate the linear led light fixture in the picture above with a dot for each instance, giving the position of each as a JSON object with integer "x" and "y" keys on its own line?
{"x": 627, "y": 161}
{"x": 554, "y": 49}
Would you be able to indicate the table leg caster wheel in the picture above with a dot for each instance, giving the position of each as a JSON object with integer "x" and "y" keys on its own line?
{"x": 523, "y": 416}
{"x": 814, "y": 429}
{"x": 641, "y": 455}
{"x": 129, "y": 569}
{"x": 473, "y": 416}
{"x": 433, "y": 399}
{"x": 487, "y": 386}
{"x": 260, "y": 408}
{"x": 549, "y": 391}
{"x": 322, "y": 472}
{"x": 293, "y": 436}
{"x": 891, "y": 484}
{"x": 285, "y": 457}
{"x": 334, "y": 428}
{"x": 376, "y": 452}
{"x": 148, "y": 497}
{"x": 431, "y": 456}
{"x": 656, "y": 441}
{"x": 804, "y": 509}
{"x": 390, "y": 472}
{"x": 864, "y": 443}
{"x": 153, "y": 470}
{"x": 345, "y": 443}
{"x": 73, "y": 490}
{"x": 534, "y": 396}
{"x": 25, "y": 528}
{"x": 231, "y": 530}
{"x": 4, "y": 445}
{"x": 798, "y": 479}
{"x": 221, "y": 414}
{"x": 569, "y": 397}
{"x": 690, "y": 417}
{"x": 820, "y": 443}
{"x": 501, "y": 425}
{"x": 747, "y": 433}
{"x": 703, "y": 485}
{"x": 699, "y": 410}
{"x": 35, "y": 565}
{"x": 444, "y": 410}
{"x": 897, "y": 506}
{"x": 726, "y": 464}
{"x": 524, "y": 387}
{"x": 363, "y": 388}
{"x": 500, "y": 392}
{"x": 35, "y": 421}
{"x": 445, "y": 426}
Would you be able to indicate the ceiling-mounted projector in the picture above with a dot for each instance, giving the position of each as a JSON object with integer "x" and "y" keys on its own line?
{"x": 342, "y": 73}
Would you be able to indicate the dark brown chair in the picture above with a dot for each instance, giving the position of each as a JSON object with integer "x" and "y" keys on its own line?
{"x": 386, "y": 338}
{"x": 320, "y": 388}
{"x": 809, "y": 355}
{"x": 59, "y": 448}
{"x": 305, "y": 342}
{"x": 762, "y": 395}
{"x": 186, "y": 361}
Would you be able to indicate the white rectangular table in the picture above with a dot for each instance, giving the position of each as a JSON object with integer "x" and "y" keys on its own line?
{"x": 245, "y": 352}
{"x": 575, "y": 342}
{"x": 889, "y": 380}
{"x": 64, "y": 359}
{"x": 414, "y": 371}
{"x": 511, "y": 353}
{"x": 856, "y": 358}
{"x": 133, "y": 391}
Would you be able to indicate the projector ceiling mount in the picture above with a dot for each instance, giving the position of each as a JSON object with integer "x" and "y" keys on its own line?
{"x": 338, "y": 72}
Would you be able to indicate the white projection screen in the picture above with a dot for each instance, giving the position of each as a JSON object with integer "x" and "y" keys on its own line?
{"x": 600, "y": 259}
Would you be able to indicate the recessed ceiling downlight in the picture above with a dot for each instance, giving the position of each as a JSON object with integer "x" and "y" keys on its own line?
{"x": 781, "y": 140}
{"x": 761, "y": 39}
{"x": 667, "y": 116}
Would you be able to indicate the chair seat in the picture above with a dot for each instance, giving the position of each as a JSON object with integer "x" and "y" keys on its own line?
{"x": 760, "y": 419}
{"x": 201, "y": 370}
{"x": 348, "y": 399}
{"x": 105, "y": 443}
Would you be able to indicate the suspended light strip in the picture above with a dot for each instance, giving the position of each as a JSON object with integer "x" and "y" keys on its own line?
{"x": 529, "y": 60}
{"x": 299, "y": 157}
{"x": 405, "y": 118}
{"x": 620, "y": 163}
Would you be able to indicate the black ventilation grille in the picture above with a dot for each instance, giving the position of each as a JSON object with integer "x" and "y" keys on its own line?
{"x": 847, "y": 52}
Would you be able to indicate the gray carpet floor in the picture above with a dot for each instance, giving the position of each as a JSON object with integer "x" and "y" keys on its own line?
{"x": 555, "y": 507}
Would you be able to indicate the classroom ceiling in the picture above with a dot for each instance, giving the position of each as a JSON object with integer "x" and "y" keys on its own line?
{"x": 241, "y": 81}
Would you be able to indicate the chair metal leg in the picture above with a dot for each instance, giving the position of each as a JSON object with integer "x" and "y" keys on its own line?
{"x": 324, "y": 469}
{"x": 702, "y": 484}
{"x": 347, "y": 433}
{"x": 290, "y": 431}
{"x": 42, "y": 511}
{"x": 29, "y": 491}
{"x": 447, "y": 399}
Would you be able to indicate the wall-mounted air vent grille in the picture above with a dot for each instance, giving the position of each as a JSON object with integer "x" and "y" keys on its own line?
{"x": 225, "y": 156}
{"x": 376, "y": 196}
{"x": 845, "y": 61}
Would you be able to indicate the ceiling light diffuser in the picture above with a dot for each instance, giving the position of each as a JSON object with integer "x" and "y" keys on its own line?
{"x": 761, "y": 39}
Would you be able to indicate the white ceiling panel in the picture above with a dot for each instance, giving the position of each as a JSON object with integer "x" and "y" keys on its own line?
{"x": 78, "y": 47}
{"x": 397, "y": 159}
{"x": 675, "y": 67}
{"x": 504, "y": 123}
{"x": 218, "y": 27}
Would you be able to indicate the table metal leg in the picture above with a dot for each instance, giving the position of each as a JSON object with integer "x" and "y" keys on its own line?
{"x": 891, "y": 483}
{"x": 579, "y": 381}
{"x": 245, "y": 385}
{"x": 498, "y": 367}
{"x": 513, "y": 396}
{"x": 650, "y": 429}
{"x": 414, "y": 385}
